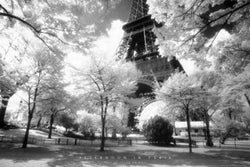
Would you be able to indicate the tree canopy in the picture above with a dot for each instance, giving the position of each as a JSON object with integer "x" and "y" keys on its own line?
{"x": 195, "y": 26}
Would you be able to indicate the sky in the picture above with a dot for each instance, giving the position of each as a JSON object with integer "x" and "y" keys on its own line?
{"x": 120, "y": 12}
{"x": 107, "y": 31}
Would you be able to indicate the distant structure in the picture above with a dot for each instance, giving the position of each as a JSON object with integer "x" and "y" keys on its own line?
{"x": 138, "y": 44}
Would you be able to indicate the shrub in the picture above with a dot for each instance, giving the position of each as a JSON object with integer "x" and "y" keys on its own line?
{"x": 232, "y": 129}
{"x": 158, "y": 131}
{"x": 66, "y": 121}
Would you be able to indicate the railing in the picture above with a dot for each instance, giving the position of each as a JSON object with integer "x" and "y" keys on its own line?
{"x": 197, "y": 141}
{"x": 66, "y": 141}
{"x": 201, "y": 142}
{"x": 229, "y": 143}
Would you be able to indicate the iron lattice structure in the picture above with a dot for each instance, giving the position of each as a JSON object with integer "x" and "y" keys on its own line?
{"x": 138, "y": 10}
{"x": 138, "y": 45}
{"x": 138, "y": 39}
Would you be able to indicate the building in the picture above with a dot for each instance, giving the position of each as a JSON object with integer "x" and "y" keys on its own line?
{"x": 197, "y": 128}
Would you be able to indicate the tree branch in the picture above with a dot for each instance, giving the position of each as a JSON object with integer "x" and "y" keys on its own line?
{"x": 4, "y": 9}
{"x": 216, "y": 19}
{"x": 21, "y": 20}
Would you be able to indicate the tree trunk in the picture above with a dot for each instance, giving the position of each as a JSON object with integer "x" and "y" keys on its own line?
{"x": 26, "y": 136}
{"x": 5, "y": 100}
{"x": 51, "y": 125}
{"x": 248, "y": 100}
{"x": 209, "y": 142}
{"x": 103, "y": 135}
{"x": 39, "y": 121}
{"x": 189, "y": 129}
{"x": 230, "y": 114}
{"x": 103, "y": 119}
{"x": 30, "y": 116}
{"x": 131, "y": 120}
{"x": 106, "y": 132}
{"x": 114, "y": 133}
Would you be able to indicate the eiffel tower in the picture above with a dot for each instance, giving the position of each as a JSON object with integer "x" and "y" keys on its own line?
{"x": 138, "y": 44}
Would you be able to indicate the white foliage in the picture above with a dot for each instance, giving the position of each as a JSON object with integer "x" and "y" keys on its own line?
{"x": 245, "y": 44}
{"x": 235, "y": 87}
{"x": 182, "y": 23}
{"x": 180, "y": 91}
{"x": 106, "y": 77}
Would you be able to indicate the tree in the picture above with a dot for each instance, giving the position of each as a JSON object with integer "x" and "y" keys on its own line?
{"x": 88, "y": 124}
{"x": 232, "y": 53}
{"x": 66, "y": 121}
{"x": 117, "y": 120}
{"x": 181, "y": 91}
{"x": 41, "y": 67}
{"x": 52, "y": 20}
{"x": 33, "y": 92}
{"x": 208, "y": 102}
{"x": 105, "y": 82}
{"x": 57, "y": 24}
{"x": 54, "y": 98}
{"x": 198, "y": 20}
{"x": 158, "y": 130}
{"x": 192, "y": 29}
{"x": 227, "y": 127}
{"x": 246, "y": 120}
{"x": 237, "y": 87}
{"x": 54, "y": 102}
{"x": 39, "y": 115}
{"x": 214, "y": 34}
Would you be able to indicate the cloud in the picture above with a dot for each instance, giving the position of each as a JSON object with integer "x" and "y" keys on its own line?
{"x": 189, "y": 66}
{"x": 104, "y": 46}
{"x": 107, "y": 44}
{"x": 222, "y": 36}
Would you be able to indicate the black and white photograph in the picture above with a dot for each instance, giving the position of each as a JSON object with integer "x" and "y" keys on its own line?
{"x": 124, "y": 83}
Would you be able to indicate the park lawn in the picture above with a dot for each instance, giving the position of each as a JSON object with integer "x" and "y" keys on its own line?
{"x": 33, "y": 133}
{"x": 51, "y": 155}
{"x": 12, "y": 155}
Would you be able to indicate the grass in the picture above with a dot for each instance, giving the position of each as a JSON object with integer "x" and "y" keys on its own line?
{"x": 12, "y": 155}
{"x": 33, "y": 133}
{"x": 49, "y": 155}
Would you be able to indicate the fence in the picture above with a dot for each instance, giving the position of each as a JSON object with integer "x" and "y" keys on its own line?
{"x": 66, "y": 141}
{"x": 201, "y": 142}
{"x": 229, "y": 143}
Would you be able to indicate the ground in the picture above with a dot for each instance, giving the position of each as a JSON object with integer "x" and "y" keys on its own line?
{"x": 139, "y": 154}
{"x": 12, "y": 155}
